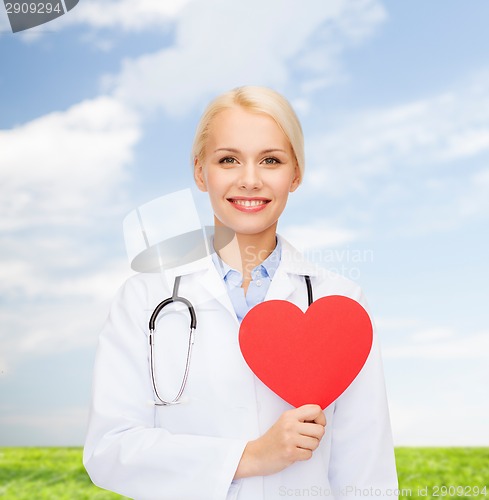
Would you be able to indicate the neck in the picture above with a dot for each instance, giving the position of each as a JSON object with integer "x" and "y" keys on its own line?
{"x": 244, "y": 251}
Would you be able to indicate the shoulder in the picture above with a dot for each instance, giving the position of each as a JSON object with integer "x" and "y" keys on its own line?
{"x": 141, "y": 288}
{"x": 151, "y": 287}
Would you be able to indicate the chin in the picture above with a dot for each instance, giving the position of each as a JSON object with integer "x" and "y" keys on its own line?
{"x": 249, "y": 228}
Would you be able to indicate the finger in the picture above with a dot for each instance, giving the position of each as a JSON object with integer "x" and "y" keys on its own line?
{"x": 307, "y": 443}
{"x": 302, "y": 454}
{"x": 321, "y": 419}
{"x": 312, "y": 430}
{"x": 308, "y": 412}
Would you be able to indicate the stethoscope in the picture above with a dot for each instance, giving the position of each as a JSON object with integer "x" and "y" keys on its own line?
{"x": 191, "y": 339}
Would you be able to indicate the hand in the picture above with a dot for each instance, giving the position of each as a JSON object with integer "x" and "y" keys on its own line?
{"x": 293, "y": 437}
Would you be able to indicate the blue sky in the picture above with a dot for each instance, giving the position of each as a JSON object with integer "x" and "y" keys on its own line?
{"x": 97, "y": 114}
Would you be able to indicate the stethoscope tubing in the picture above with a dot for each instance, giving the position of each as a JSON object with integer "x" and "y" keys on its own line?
{"x": 191, "y": 340}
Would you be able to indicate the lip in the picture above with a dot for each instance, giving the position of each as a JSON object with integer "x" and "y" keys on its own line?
{"x": 247, "y": 204}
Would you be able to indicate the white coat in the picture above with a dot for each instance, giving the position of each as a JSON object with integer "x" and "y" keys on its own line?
{"x": 191, "y": 450}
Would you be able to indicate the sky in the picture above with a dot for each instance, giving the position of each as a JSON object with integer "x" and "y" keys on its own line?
{"x": 97, "y": 114}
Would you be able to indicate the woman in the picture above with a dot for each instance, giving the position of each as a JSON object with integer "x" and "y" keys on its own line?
{"x": 232, "y": 437}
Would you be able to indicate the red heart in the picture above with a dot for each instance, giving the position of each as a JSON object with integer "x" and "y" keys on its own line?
{"x": 311, "y": 357}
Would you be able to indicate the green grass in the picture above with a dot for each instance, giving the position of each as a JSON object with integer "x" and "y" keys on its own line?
{"x": 46, "y": 473}
{"x": 427, "y": 470}
{"x": 58, "y": 473}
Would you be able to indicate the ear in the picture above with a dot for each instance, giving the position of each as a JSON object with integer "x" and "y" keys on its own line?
{"x": 296, "y": 180}
{"x": 199, "y": 175}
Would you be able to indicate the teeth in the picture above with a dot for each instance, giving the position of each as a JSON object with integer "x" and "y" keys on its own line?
{"x": 249, "y": 203}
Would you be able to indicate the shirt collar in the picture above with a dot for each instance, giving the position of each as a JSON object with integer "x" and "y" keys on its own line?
{"x": 267, "y": 268}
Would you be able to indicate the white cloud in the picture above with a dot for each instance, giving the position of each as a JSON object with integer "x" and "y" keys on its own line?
{"x": 57, "y": 312}
{"x": 218, "y": 46}
{"x": 56, "y": 293}
{"x": 57, "y": 168}
{"x": 440, "y": 344}
{"x": 474, "y": 201}
{"x": 432, "y": 335}
{"x": 34, "y": 329}
{"x": 395, "y": 324}
{"x": 4, "y": 366}
{"x": 59, "y": 327}
{"x": 4, "y": 22}
{"x": 439, "y": 402}
{"x": 61, "y": 178}
{"x": 126, "y": 14}
{"x": 416, "y": 168}
{"x": 38, "y": 277}
{"x": 45, "y": 427}
{"x": 459, "y": 422}
{"x": 411, "y": 139}
{"x": 436, "y": 383}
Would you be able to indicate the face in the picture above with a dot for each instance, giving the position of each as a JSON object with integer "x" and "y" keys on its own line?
{"x": 249, "y": 169}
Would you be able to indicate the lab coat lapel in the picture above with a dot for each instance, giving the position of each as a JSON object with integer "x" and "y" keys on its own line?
{"x": 292, "y": 264}
{"x": 205, "y": 282}
{"x": 211, "y": 281}
{"x": 281, "y": 287}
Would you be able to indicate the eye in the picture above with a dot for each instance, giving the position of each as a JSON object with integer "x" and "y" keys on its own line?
{"x": 271, "y": 161}
{"x": 228, "y": 160}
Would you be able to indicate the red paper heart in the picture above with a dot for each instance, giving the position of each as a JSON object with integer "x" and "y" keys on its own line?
{"x": 311, "y": 357}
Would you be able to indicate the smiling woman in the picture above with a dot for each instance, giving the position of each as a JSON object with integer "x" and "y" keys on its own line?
{"x": 231, "y": 436}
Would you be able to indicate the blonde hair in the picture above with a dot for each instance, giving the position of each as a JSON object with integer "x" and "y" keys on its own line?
{"x": 257, "y": 100}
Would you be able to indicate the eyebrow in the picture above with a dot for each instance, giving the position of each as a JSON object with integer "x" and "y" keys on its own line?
{"x": 234, "y": 150}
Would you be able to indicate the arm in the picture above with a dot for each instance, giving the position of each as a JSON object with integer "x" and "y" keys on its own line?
{"x": 124, "y": 452}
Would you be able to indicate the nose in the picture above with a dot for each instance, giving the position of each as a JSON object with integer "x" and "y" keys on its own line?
{"x": 250, "y": 178}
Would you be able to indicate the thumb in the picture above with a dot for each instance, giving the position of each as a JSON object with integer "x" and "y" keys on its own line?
{"x": 309, "y": 413}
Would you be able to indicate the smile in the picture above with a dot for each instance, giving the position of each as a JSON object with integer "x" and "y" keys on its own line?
{"x": 249, "y": 204}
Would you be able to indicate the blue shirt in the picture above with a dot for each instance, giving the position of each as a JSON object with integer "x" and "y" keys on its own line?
{"x": 261, "y": 277}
